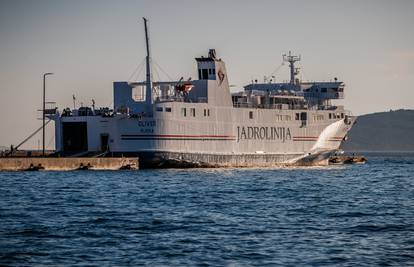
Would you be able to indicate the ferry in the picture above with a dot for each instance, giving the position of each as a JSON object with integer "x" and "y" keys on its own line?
{"x": 200, "y": 123}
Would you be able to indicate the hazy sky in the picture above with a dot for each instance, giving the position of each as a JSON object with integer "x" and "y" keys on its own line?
{"x": 89, "y": 44}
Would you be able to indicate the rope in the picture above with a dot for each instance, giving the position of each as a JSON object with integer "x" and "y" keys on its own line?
{"x": 302, "y": 72}
{"x": 163, "y": 71}
{"x": 138, "y": 68}
{"x": 156, "y": 74}
{"x": 277, "y": 69}
{"x": 30, "y": 136}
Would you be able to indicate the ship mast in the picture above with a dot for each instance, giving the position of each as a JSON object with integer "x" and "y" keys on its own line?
{"x": 148, "y": 83}
{"x": 293, "y": 71}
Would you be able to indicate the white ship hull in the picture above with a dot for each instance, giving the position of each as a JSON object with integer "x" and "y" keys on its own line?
{"x": 225, "y": 138}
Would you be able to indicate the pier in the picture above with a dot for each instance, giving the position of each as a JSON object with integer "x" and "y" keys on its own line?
{"x": 67, "y": 164}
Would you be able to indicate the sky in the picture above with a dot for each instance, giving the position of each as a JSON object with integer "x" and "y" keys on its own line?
{"x": 88, "y": 44}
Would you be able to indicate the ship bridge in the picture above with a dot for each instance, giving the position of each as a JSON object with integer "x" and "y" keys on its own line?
{"x": 211, "y": 87}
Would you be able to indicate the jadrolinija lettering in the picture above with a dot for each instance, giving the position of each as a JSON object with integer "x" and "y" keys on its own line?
{"x": 263, "y": 133}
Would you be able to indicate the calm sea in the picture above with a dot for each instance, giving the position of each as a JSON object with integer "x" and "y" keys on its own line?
{"x": 361, "y": 215}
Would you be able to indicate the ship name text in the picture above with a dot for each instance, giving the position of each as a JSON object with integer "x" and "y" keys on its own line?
{"x": 263, "y": 133}
{"x": 146, "y": 126}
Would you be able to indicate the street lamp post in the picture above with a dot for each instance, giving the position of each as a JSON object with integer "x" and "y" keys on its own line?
{"x": 44, "y": 108}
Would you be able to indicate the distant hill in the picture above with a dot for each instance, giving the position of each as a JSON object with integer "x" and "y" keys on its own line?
{"x": 383, "y": 131}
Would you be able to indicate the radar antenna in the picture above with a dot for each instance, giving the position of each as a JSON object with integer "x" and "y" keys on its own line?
{"x": 293, "y": 71}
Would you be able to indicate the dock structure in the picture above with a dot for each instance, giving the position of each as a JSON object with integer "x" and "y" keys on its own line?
{"x": 67, "y": 164}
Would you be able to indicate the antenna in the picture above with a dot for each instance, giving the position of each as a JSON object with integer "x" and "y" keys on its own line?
{"x": 74, "y": 101}
{"x": 293, "y": 71}
{"x": 148, "y": 83}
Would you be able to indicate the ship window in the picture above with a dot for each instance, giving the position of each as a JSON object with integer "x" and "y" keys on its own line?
{"x": 192, "y": 112}
{"x": 209, "y": 71}
{"x": 214, "y": 71}
{"x": 342, "y": 115}
{"x": 159, "y": 109}
{"x": 297, "y": 116}
{"x": 167, "y": 109}
{"x": 199, "y": 74}
{"x": 208, "y": 112}
{"x": 324, "y": 90}
{"x": 138, "y": 93}
{"x": 205, "y": 74}
{"x": 303, "y": 116}
{"x": 320, "y": 117}
{"x": 205, "y": 112}
{"x": 330, "y": 115}
{"x": 250, "y": 114}
{"x": 184, "y": 112}
{"x": 317, "y": 117}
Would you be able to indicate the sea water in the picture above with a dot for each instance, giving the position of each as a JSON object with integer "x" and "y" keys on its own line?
{"x": 353, "y": 215}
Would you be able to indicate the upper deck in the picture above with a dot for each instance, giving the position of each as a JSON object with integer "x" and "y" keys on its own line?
{"x": 306, "y": 95}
